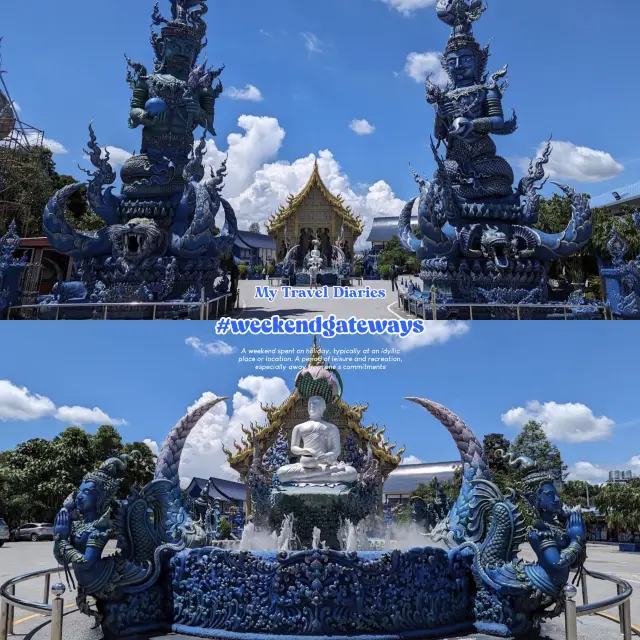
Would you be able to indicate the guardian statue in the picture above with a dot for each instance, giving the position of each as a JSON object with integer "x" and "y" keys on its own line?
{"x": 478, "y": 242}
{"x": 160, "y": 240}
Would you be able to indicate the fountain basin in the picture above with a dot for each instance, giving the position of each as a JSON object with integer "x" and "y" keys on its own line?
{"x": 422, "y": 592}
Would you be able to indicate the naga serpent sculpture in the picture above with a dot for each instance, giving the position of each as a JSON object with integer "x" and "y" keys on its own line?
{"x": 149, "y": 525}
{"x": 512, "y": 595}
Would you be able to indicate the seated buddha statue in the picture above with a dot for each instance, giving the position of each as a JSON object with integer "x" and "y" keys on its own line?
{"x": 317, "y": 442}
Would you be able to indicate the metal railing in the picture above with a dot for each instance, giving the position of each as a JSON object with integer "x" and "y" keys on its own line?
{"x": 101, "y": 310}
{"x": 9, "y": 603}
{"x": 427, "y": 308}
{"x": 621, "y": 600}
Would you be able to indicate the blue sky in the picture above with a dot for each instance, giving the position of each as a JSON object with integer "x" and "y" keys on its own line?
{"x": 318, "y": 66}
{"x": 582, "y": 375}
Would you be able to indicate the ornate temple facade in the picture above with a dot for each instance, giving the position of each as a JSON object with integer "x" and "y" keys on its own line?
{"x": 357, "y": 439}
{"x": 314, "y": 213}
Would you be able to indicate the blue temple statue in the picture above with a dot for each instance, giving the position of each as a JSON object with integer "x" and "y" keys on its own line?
{"x": 622, "y": 277}
{"x": 11, "y": 268}
{"x": 160, "y": 240}
{"x": 478, "y": 241}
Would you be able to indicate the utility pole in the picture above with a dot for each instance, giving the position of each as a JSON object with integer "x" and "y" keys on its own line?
{"x": 588, "y": 505}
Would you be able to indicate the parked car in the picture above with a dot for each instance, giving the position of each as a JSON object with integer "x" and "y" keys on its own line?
{"x": 4, "y": 532}
{"x": 33, "y": 531}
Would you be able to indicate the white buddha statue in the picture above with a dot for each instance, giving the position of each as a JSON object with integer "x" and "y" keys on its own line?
{"x": 318, "y": 444}
{"x": 315, "y": 261}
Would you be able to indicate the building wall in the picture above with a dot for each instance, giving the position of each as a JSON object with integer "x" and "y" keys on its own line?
{"x": 315, "y": 214}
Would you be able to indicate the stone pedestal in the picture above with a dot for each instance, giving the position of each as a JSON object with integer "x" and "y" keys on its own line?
{"x": 322, "y": 506}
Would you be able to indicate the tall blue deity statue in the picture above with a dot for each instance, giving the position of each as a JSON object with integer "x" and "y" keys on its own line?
{"x": 622, "y": 277}
{"x": 160, "y": 239}
{"x": 477, "y": 242}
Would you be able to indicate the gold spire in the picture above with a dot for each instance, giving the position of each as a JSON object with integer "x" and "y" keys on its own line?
{"x": 316, "y": 359}
{"x": 278, "y": 219}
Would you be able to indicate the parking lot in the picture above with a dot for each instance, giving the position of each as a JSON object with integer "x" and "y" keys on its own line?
{"x": 23, "y": 557}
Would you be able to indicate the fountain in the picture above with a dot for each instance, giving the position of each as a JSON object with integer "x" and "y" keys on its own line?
{"x": 479, "y": 243}
{"x": 284, "y": 582}
{"x": 160, "y": 241}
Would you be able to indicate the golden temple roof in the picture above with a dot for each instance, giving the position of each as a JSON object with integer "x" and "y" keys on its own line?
{"x": 277, "y": 220}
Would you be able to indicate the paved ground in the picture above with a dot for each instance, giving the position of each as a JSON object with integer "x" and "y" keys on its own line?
{"x": 249, "y": 306}
{"x": 24, "y": 557}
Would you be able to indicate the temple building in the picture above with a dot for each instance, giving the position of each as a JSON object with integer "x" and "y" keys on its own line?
{"x": 406, "y": 478}
{"x": 314, "y": 213}
{"x": 255, "y": 249}
{"x": 614, "y": 201}
{"x": 383, "y": 230}
{"x": 228, "y": 492}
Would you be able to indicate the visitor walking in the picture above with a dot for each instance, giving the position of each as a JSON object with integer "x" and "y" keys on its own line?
{"x": 394, "y": 277}
{"x": 235, "y": 277}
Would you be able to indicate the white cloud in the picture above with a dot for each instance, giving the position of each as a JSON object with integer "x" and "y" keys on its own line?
{"x": 407, "y": 7}
{"x": 202, "y": 455}
{"x": 411, "y": 460}
{"x": 117, "y": 156}
{"x": 18, "y": 403}
{"x": 32, "y": 138}
{"x": 55, "y": 146}
{"x": 597, "y": 473}
{"x": 215, "y": 348}
{"x": 312, "y": 43}
{"x": 248, "y": 153}
{"x": 257, "y": 183}
{"x": 570, "y": 162}
{"x": 250, "y": 93}
{"x": 83, "y": 415}
{"x": 361, "y": 127}
{"x": 592, "y": 473}
{"x": 419, "y": 65}
{"x": 153, "y": 445}
{"x": 16, "y": 107}
{"x": 435, "y": 332}
{"x": 569, "y": 422}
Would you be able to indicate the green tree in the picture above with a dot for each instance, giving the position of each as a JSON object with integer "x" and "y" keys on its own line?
{"x": 503, "y": 476}
{"x": 393, "y": 254}
{"x": 25, "y": 187}
{"x": 619, "y": 503}
{"x": 532, "y": 442}
{"x": 225, "y": 529}
{"x": 142, "y": 472}
{"x": 451, "y": 488}
{"x": 555, "y": 213}
{"x": 37, "y": 476}
{"x": 412, "y": 264}
{"x": 106, "y": 443}
{"x": 579, "y": 493}
{"x": 29, "y": 178}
